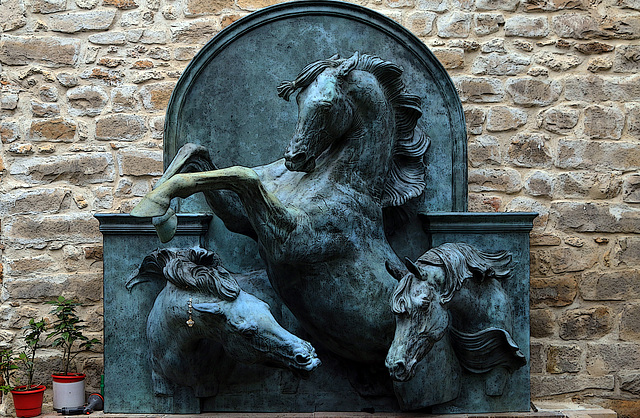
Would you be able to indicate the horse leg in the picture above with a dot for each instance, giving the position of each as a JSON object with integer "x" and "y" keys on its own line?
{"x": 265, "y": 212}
{"x": 193, "y": 158}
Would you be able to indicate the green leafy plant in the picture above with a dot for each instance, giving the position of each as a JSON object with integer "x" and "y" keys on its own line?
{"x": 26, "y": 359}
{"x": 67, "y": 331}
{"x": 7, "y": 368}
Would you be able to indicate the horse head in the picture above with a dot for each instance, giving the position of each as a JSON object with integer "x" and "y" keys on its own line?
{"x": 421, "y": 319}
{"x": 221, "y": 310}
{"x": 324, "y": 111}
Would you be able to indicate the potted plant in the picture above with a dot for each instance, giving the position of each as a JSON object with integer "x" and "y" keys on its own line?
{"x": 27, "y": 399}
{"x": 68, "y": 388}
{"x": 7, "y": 368}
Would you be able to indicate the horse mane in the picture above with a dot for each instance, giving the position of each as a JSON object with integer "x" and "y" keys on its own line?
{"x": 461, "y": 261}
{"x": 406, "y": 176}
{"x": 194, "y": 269}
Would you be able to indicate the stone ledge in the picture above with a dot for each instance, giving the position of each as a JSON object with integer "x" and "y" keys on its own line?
{"x": 544, "y": 411}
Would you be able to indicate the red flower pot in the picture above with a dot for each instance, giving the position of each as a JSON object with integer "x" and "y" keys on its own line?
{"x": 28, "y": 403}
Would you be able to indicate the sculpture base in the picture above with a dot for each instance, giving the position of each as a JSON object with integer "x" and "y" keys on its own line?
{"x": 565, "y": 411}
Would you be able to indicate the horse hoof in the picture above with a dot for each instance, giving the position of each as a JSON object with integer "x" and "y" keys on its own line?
{"x": 147, "y": 208}
{"x": 166, "y": 225}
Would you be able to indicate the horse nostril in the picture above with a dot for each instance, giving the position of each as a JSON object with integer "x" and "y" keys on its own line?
{"x": 301, "y": 359}
{"x": 298, "y": 158}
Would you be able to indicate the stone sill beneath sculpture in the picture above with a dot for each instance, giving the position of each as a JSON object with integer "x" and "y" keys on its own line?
{"x": 545, "y": 410}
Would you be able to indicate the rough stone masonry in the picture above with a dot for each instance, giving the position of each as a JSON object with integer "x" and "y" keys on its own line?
{"x": 551, "y": 92}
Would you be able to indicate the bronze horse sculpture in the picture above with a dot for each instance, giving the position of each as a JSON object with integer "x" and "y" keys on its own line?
{"x": 225, "y": 324}
{"x": 317, "y": 215}
{"x": 456, "y": 288}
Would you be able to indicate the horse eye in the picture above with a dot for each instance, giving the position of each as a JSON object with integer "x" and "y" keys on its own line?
{"x": 425, "y": 300}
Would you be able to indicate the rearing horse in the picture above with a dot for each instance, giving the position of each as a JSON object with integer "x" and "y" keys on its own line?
{"x": 317, "y": 214}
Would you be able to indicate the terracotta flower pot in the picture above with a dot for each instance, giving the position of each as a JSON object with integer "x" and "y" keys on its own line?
{"x": 68, "y": 390}
{"x": 28, "y": 403}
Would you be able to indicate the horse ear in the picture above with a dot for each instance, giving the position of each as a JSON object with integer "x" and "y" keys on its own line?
{"x": 208, "y": 307}
{"x": 394, "y": 271}
{"x": 412, "y": 268}
{"x": 346, "y": 67}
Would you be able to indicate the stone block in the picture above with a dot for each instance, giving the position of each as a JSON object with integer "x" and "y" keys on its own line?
{"x": 559, "y": 120}
{"x": 542, "y": 322}
{"x": 630, "y": 322}
{"x": 44, "y": 110}
{"x": 597, "y": 217}
{"x": 205, "y": 7}
{"x": 495, "y": 45}
{"x": 631, "y": 189}
{"x": 539, "y": 183}
{"x": 140, "y": 163}
{"x": 451, "y": 58}
{"x": 67, "y": 80}
{"x": 506, "y": 5}
{"x": 545, "y": 240}
{"x": 252, "y": 5}
{"x": 479, "y": 89}
{"x": 585, "y": 323}
{"x": 73, "y": 22}
{"x": 77, "y": 169}
{"x": 159, "y": 53}
{"x": 557, "y": 61}
{"x": 82, "y": 287}
{"x": 533, "y": 92}
{"x": 156, "y": 96}
{"x": 627, "y": 252}
{"x": 124, "y": 99}
{"x": 157, "y": 127}
{"x": 630, "y": 382}
{"x": 568, "y": 383}
{"x": 603, "y": 122}
{"x": 9, "y": 132}
{"x": 87, "y": 100}
{"x": 554, "y": 5}
{"x": 589, "y": 88}
{"x": 9, "y": 101}
{"x": 527, "y": 26}
{"x": 592, "y": 185}
{"x": 538, "y": 357}
{"x": 621, "y": 27}
{"x": 32, "y": 266}
{"x": 48, "y": 6}
{"x": 610, "y": 285}
{"x": 530, "y": 150}
{"x": 596, "y": 155}
{"x": 494, "y": 180}
{"x": 564, "y": 359}
{"x": 607, "y": 357}
{"x": 108, "y": 38}
{"x": 484, "y": 203}
{"x": 121, "y": 4}
{"x": 120, "y": 127}
{"x": 553, "y": 291}
{"x": 197, "y": 31}
{"x": 566, "y": 259}
{"x": 504, "y": 118}
{"x": 432, "y": 5}
{"x": 53, "y": 130}
{"x": 151, "y": 37}
{"x": 48, "y": 94}
{"x": 13, "y": 15}
{"x": 484, "y": 150}
{"x": 185, "y": 53}
{"x": 487, "y": 23}
{"x": 500, "y": 64}
{"x": 627, "y": 59}
{"x": 35, "y": 201}
{"x": 599, "y": 64}
{"x": 454, "y": 25}
{"x": 475, "y": 117}
{"x": 594, "y": 47}
{"x": 575, "y": 25}
{"x": 48, "y": 51}
{"x": 527, "y": 204}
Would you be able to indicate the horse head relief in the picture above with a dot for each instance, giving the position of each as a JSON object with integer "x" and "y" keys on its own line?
{"x": 202, "y": 320}
{"x": 455, "y": 288}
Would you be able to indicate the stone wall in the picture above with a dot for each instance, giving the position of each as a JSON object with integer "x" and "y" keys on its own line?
{"x": 551, "y": 93}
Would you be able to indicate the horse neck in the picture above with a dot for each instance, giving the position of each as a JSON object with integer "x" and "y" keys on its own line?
{"x": 365, "y": 151}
